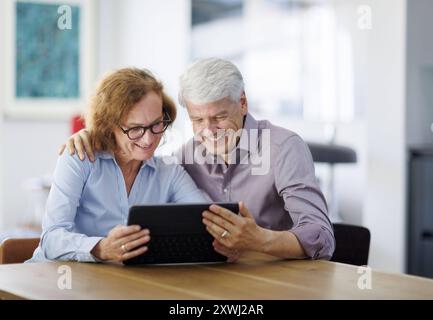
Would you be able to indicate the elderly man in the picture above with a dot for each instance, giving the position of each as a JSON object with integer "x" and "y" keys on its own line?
{"x": 234, "y": 157}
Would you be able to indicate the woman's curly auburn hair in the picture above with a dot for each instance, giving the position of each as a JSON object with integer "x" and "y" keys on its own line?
{"x": 114, "y": 98}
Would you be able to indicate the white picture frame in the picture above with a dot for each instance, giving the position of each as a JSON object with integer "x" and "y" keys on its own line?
{"x": 46, "y": 107}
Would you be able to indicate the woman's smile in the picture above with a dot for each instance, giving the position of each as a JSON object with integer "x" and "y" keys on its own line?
{"x": 144, "y": 147}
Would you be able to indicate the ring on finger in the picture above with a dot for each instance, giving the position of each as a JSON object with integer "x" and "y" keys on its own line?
{"x": 225, "y": 234}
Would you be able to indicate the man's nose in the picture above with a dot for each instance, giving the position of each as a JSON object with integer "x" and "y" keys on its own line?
{"x": 210, "y": 127}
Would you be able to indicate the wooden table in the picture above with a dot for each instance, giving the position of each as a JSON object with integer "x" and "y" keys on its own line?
{"x": 253, "y": 277}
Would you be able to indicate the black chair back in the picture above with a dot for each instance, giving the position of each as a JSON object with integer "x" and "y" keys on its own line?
{"x": 352, "y": 244}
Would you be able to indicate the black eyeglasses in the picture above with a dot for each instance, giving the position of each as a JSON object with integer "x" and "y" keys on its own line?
{"x": 159, "y": 127}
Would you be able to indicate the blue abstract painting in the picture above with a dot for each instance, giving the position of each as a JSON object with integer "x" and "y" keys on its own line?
{"x": 47, "y": 58}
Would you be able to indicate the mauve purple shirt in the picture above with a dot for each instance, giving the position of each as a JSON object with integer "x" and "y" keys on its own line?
{"x": 283, "y": 195}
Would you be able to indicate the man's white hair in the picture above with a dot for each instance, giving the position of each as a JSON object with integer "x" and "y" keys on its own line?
{"x": 210, "y": 80}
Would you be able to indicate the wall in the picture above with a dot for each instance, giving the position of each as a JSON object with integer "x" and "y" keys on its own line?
{"x": 419, "y": 111}
{"x": 2, "y": 95}
{"x": 377, "y": 198}
{"x": 373, "y": 193}
{"x": 152, "y": 34}
{"x": 30, "y": 150}
{"x": 2, "y": 222}
{"x": 125, "y": 39}
{"x": 385, "y": 206}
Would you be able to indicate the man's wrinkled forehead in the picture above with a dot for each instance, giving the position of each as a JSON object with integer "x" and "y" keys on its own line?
{"x": 213, "y": 109}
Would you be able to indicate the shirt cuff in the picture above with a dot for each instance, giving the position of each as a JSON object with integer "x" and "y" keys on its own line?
{"x": 84, "y": 252}
{"x": 317, "y": 241}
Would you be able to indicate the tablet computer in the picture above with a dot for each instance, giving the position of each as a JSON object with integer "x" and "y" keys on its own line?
{"x": 177, "y": 233}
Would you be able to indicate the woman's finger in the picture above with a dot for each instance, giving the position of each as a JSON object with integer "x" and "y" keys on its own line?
{"x": 134, "y": 236}
{"x": 133, "y": 254}
{"x": 137, "y": 243}
{"x": 123, "y": 231}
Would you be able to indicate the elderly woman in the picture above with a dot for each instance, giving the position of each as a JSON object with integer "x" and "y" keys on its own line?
{"x": 88, "y": 205}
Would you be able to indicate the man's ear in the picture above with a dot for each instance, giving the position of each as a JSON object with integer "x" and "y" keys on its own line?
{"x": 244, "y": 103}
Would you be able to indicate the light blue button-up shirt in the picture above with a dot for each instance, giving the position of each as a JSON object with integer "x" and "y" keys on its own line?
{"x": 88, "y": 199}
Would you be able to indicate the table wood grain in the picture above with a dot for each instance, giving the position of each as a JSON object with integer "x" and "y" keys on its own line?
{"x": 255, "y": 276}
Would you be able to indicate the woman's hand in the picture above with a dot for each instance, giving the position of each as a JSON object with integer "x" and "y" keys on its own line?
{"x": 79, "y": 142}
{"x": 122, "y": 243}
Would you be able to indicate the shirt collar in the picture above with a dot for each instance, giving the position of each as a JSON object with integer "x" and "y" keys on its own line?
{"x": 248, "y": 142}
{"x": 108, "y": 155}
{"x": 249, "y": 135}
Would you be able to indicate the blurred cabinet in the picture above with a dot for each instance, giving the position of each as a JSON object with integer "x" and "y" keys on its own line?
{"x": 420, "y": 212}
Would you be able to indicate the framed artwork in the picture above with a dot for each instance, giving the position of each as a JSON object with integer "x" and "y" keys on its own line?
{"x": 48, "y": 57}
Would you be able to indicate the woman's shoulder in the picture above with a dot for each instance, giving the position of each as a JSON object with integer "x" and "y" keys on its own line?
{"x": 66, "y": 157}
{"x": 73, "y": 161}
{"x": 70, "y": 165}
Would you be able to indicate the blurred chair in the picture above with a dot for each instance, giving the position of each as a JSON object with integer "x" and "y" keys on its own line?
{"x": 17, "y": 250}
{"x": 352, "y": 244}
{"x": 332, "y": 154}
